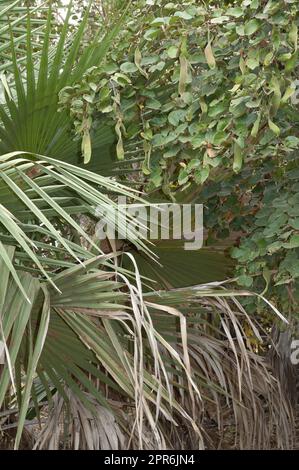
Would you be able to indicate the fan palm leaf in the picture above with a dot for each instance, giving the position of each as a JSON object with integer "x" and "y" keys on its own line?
{"x": 13, "y": 16}
{"x": 26, "y": 199}
{"x": 31, "y": 118}
{"x": 71, "y": 341}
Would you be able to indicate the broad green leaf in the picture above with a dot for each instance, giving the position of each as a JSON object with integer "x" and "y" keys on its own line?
{"x": 251, "y": 27}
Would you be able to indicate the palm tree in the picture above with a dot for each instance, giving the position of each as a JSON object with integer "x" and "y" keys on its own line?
{"x": 110, "y": 362}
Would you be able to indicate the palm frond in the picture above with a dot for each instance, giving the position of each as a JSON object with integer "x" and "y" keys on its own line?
{"x": 169, "y": 359}
{"x": 30, "y": 199}
{"x": 13, "y": 16}
{"x": 31, "y": 119}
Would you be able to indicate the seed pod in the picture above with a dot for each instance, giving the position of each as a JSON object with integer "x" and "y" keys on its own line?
{"x": 210, "y": 56}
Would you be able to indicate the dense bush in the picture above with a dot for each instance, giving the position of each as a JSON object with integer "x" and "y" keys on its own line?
{"x": 208, "y": 94}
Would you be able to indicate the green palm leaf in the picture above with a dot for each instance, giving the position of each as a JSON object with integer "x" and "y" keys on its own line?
{"x": 34, "y": 198}
{"x": 31, "y": 120}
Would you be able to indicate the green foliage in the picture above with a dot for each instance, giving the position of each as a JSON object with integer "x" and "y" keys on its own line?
{"x": 204, "y": 92}
{"x": 272, "y": 247}
{"x": 196, "y": 86}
